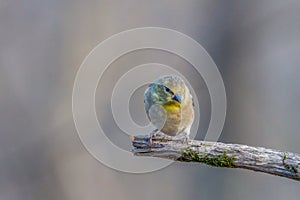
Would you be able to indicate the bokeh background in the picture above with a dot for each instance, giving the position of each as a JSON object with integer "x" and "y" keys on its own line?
{"x": 255, "y": 44}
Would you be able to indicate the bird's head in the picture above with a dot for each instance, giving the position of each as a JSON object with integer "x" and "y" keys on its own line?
{"x": 169, "y": 91}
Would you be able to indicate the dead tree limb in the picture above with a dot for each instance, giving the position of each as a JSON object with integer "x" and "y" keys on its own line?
{"x": 275, "y": 162}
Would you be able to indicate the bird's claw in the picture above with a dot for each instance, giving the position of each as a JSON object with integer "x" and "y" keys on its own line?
{"x": 183, "y": 137}
{"x": 151, "y": 135}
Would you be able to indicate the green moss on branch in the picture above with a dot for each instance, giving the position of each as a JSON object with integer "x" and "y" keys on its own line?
{"x": 221, "y": 160}
{"x": 288, "y": 167}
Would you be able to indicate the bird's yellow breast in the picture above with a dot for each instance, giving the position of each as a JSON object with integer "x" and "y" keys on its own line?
{"x": 171, "y": 106}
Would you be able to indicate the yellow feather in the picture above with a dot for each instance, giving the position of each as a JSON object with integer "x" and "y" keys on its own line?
{"x": 171, "y": 106}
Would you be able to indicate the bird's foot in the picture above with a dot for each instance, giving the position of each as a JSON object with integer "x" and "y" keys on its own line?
{"x": 183, "y": 137}
{"x": 151, "y": 135}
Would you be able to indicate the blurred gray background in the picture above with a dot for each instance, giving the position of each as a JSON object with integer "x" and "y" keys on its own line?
{"x": 255, "y": 44}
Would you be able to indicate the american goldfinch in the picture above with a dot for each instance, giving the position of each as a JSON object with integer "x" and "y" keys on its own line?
{"x": 169, "y": 106}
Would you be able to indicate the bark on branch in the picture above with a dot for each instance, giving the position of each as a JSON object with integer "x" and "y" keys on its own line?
{"x": 271, "y": 161}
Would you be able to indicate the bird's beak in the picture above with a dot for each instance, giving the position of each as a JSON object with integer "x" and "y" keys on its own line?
{"x": 177, "y": 97}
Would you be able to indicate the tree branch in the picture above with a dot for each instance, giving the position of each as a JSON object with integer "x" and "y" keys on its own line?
{"x": 275, "y": 162}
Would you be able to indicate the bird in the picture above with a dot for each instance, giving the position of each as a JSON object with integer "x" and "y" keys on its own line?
{"x": 169, "y": 106}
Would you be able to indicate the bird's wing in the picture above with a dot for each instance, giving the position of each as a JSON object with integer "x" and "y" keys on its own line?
{"x": 147, "y": 101}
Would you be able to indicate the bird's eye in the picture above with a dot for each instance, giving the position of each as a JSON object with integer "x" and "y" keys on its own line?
{"x": 168, "y": 90}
